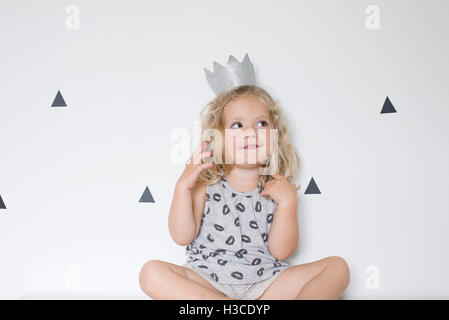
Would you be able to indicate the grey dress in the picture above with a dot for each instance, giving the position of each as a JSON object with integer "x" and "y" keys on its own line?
{"x": 232, "y": 242}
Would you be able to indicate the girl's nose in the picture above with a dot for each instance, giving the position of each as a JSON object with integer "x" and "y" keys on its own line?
{"x": 250, "y": 132}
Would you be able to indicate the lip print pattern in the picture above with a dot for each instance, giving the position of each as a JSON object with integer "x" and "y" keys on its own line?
{"x": 240, "y": 253}
{"x": 253, "y": 224}
{"x": 264, "y": 237}
{"x": 214, "y": 276}
{"x": 237, "y": 275}
{"x": 226, "y": 226}
{"x": 240, "y": 207}
{"x": 230, "y": 240}
{"x": 193, "y": 250}
{"x": 222, "y": 262}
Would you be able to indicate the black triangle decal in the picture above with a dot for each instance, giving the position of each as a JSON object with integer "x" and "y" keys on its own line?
{"x": 312, "y": 188}
{"x": 388, "y": 107}
{"x": 146, "y": 196}
{"x": 2, "y": 204}
{"x": 59, "y": 101}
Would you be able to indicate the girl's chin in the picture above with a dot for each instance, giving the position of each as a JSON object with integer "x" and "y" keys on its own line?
{"x": 252, "y": 158}
{"x": 252, "y": 162}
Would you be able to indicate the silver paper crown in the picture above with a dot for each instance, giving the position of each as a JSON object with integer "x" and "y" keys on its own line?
{"x": 233, "y": 75}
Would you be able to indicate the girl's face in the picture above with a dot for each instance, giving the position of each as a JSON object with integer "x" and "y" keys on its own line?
{"x": 247, "y": 127}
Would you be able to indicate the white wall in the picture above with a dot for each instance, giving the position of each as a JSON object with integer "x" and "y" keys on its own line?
{"x": 132, "y": 75}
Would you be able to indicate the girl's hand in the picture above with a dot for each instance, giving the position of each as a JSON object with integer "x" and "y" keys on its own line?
{"x": 280, "y": 190}
{"x": 193, "y": 168}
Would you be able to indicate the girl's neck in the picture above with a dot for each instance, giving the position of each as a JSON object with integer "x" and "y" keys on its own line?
{"x": 242, "y": 179}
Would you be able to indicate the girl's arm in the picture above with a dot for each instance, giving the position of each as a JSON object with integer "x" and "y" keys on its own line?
{"x": 181, "y": 222}
{"x": 283, "y": 237}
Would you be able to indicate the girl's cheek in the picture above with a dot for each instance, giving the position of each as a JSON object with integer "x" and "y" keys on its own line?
{"x": 232, "y": 140}
{"x": 264, "y": 136}
{"x": 265, "y": 140}
{"x": 229, "y": 146}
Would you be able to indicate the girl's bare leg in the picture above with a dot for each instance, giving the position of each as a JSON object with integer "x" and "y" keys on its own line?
{"x": 167, "y": 281}
{"x": 328, "y": 284}
{"x": 322, "y": 279}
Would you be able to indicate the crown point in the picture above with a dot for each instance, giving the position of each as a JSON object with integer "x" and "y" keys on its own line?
{"x": 208, "y": 73}
{"x": 218, "y": 67}
{"x": 232, "y": 59}
{"x": 232, "y": 75}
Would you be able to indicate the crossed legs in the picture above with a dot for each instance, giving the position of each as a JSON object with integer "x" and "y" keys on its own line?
{"x": 326, "y": 278}
{"x": 167, "y": 281}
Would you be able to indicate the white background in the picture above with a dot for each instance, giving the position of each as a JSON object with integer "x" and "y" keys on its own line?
{"x": 132, "y": 76}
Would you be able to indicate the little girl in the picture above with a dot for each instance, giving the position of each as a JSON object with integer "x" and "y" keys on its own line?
{"x": 237, "y": 214}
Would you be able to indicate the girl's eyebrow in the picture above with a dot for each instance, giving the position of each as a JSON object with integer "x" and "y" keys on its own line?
{"x": 238, "y": 118}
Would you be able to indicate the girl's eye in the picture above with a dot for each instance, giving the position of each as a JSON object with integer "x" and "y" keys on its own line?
{"x": 263, "y": 121}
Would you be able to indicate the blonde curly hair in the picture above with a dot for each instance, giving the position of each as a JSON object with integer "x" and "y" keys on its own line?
{"x": 212, "y": 116}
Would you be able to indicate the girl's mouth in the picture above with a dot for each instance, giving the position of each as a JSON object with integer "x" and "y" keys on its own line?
{"x": 251, "y": 146}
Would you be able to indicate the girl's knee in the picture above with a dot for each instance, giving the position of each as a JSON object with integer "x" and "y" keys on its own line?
{"x": 148, "y": 276}
{"x": 341, "y": 267}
